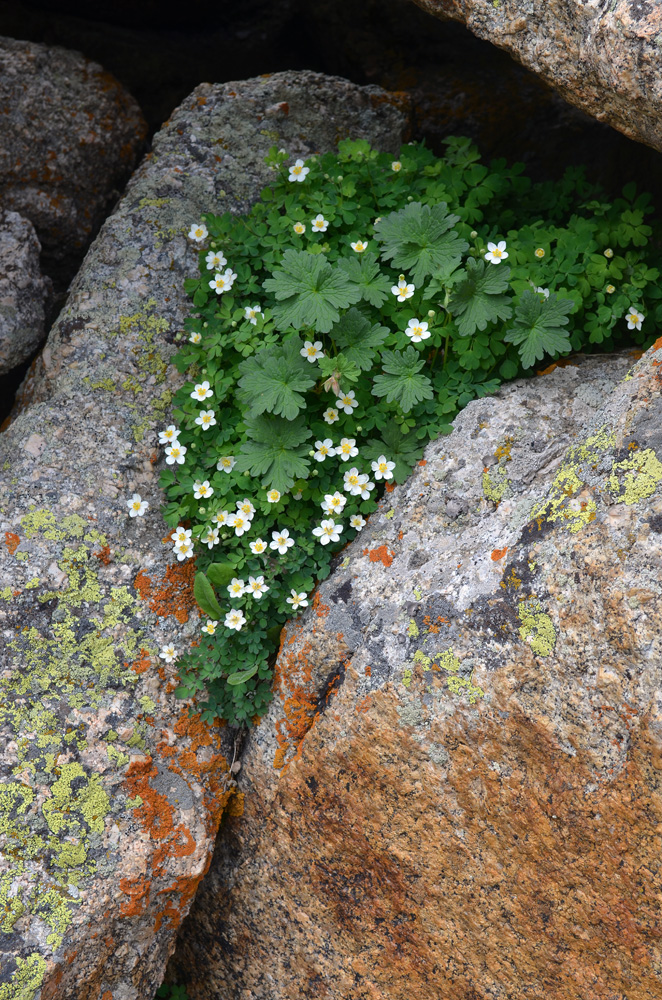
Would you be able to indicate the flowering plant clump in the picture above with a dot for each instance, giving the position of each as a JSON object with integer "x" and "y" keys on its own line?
{"x": 335, "y": 330}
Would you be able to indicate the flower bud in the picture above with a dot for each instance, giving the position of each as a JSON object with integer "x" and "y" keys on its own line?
{"x": 202, "y": 510}
{"x": 205, "y": 325}
{"x": 431, "y": 313}
{"x": 609, "y": 252}
{"x": 311, "y": 453}
{"x": 339, "y": 177}
{"x": 359, "y": 428}
{"x": 473, "y": 234}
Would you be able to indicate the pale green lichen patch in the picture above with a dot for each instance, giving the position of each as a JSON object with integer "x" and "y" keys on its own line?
{"x": 451, "y": 663}
{"x": 27, "y": 979}
{"x": 635, "y": 478}
{"x": 537, "y": 627}
{"x": 495, "y": 485}
{"x": 564, "y": 503}
{"x": 412, "y": 629}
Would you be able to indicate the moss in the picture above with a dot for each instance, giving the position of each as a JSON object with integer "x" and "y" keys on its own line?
{"x": 537, "y": 627}
{"x": 642, "y": 472}
{"x": 27, "y": 979}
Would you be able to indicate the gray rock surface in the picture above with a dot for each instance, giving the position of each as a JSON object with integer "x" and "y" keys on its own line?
{"x": 110, "y": 797}
{"x": 23, "y": 291}
{"x": 457, "y": 789}
{"x": 69, "y": 138}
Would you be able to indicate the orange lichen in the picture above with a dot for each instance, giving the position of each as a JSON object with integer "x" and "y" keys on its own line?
{"x": 174, "y": 595}
{"x": 104, "y": 555}
{"x": 12, "y": 542}
{"x": 423, "y": 461}
{"x": 498, "y": 554}
{"x": 140, "y": 665}
{"x": 382, "y": 555}
{"x": 138, "y": 893}
{"x": 368, "y": 671}
{"x": 321, "y": 610}
{"x": 389, "y": 487}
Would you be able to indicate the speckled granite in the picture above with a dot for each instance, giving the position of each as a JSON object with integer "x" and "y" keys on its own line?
{"x": 23, "y": 291}
{"x": 456, "y": 792}
{"x": 110, "y": 796}
{"x": 601, "y": 55}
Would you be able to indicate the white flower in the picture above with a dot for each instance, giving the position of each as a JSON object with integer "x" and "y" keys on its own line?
{"x": 610, "y": 289}
{"x": 195, "y": 338}
{"x": 215, "y": 260}
{"x": 541, "y": 291}
{"x": 319, "y": 224}
{"x": 328, "y": 531}
{"x": 383, "y": 469}
{"x": 258, "y": 546}
{"x": 608, "y": 252}
{"x": 171, "y": 433}
{"x": 281, "y": 541}
{"x": 352, "y": 481}
{"x": 356, "y": 521}
{"x": 312, "y": 351}
{"x": 206, "y": 419}
{"x": 182, "y": 536}
{"x": 256, "y": 587}
{"x": 184, "y": 550}
{"x": 396, "y": 166}
{"x": 168, "y": 653}
{"x": 346, "y": 449}
{"x": 226, "y": 463}
{"x": 330, "y": 415}
{"x": 234, "y": 619}
{"x": 496, "y": 252}
{"x": 202, "y": 490}
{"x": 347, "y": 402}
{"x": 273, "y": 496}
{"x": 236, "y": 587}
{"x": 299, "y": 228}
{"x": 175, "y": 453}
{"x": 246, "y": 508}
{"x": 417, "y": 331}
{"x": 198, "y": 232}
{"x": 222, "y": 517}
{"x": 210, "y": 539}
{"x": 333, "y": 503}
{"x": 324, "y": 448}
{"x": 210, "y": 627}
{"x": 240, "y": 523}
{"x": 297, "y": 600}
{"x": 202, "y": 391}
{"x": 359, "y": 246}
{"x": 223, "y": 282}
{"x": 298, "y": 171}
{"x": 635, "y": 319}
{"x": 539, "y": 252}
{"x": 251, "y": 313}
{"x": 137, "y": 506}
{"x": 365, "y": 487}
{"x": 402, "y": 289}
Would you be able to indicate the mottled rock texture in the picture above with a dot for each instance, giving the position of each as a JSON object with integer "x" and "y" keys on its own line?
{"x": 69, "y": 138}
{"x": 110, "y": 794}
{"x": 456, "y": 792}
{"x": 601, "y": 55}
{"x": 23, "y": 291}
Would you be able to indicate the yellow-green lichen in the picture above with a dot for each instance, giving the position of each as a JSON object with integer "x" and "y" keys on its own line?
{"x": 563, "y": 503}
{"x": 389, "y": 514}
{"x": 6, "y": 594}
{"x": 153, "y": 202}
{"x": 495, "y": 486}
{"x": 451, "y": 663}
{"x": 31, "y": 584}
{"x": 11, "y": 906}
{"x": 27, "y": 979}
{"x": 406, "y": 677}
{"x": 641, "y": 475}
{"x": 420, "y": 657}
{"x": 90, "y": 801}
{"x": 418, "y": 593}
{"x": 537, "y": 627}
{"x": 412, "y": 629}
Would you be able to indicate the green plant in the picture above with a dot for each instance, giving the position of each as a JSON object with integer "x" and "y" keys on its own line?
{"x": 169, "y": 992}
{"x": 367, "y": 300}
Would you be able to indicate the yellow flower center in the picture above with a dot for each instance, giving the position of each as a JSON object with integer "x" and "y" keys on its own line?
{"x": 296, "y": 170}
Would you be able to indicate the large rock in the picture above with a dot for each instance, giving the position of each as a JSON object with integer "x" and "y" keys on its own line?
{"x": 69, "y": 138}
{"x": 456, "y": 792}
{"x": 111, "y": 795}
{"x": 601, "y": 55}
{"x": 23, "y": 291}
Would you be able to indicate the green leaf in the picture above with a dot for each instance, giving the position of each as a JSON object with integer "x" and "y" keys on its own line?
{"x": 364, "y": 273}
{"x": 274, "y": 378}
{"x": 478, "y": 300}
{"x": 205, "y": 596}
{"x": 358, "y": 338}
{"x": 242, "y": 675}
{"x": 313, "y": 289}
{"x": 340, "y": 368}
{"x": 273, "y": 634}
{"x": 276, "y": 452}
{"x": 403, "y": 449}
{"x": 402, "y": 384}
{"x": 220, "y": 574}
{"x": 538, "y": 327}
{"x": 421, "y": 239}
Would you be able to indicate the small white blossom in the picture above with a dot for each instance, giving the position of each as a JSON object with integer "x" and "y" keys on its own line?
{"x": 333, "y": 503}
{"x": 223, "y": 282}
{"x": 319, "y": 224}
{"x": 195, "y": 338}
{"x": 236, "y": 587}
{"x": 258, "y": 546}
{"x": 181, "y": 535}
{"x": 402, "y": 289}
{"x": 281, "y": 541}
{"x": 608, "y": 252}
{"x": 256, "y": 587}
{"x": 222, "y": 517}
{"x": 396, "y": 166}
{"x": 210, "y": 538}
{"x": 202, "y": 392}
{"x": 324, "y": 448}
{"x": 347, "y": 449}
{"x": 184, "y": 550}
{"x": 330, "y": 415}
{"x": 610, "y": 289}
{"x": 234, "y": 619}
{"x": 215, "y": 260}
{"x": 170, "y": 434}
{"x": 298, "y": 172}
{"x": 365, "y": 488}
{"x": 417, "y": 331}
{"x": 175, "y": 453}
{"x": 352, "y": 481}
{"x": 137, "y": 506}
{"x": 539, "y": 252}
{"x": 496, "y": 252}
{"x": 356, "y": 521}
{"x": 347, "y": 402}
{"x": 297, "y": 600}
{"x": 168, "y": 653}
{"x": 634, "y": 318}
{"x": 198, "y": 232}
{"x": 251, "y": 313}
{"x": 240, "y": 523}
{"x": 541, "y": 291}
{"x": 383, "y": 469}
{"x": 359, "y": 246}
{"x": 226, "y": 463}
{"x": 299, "y": 228}
{"x": 202, "y": 490}
{"x": 312, "y": 351}
{"x": 210, "y": 627}
{"x": 206, "y": 419}
{"x": 246, "y": 508}
{"x": 328, "y": 531}
{"x": 273, "y": 496}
